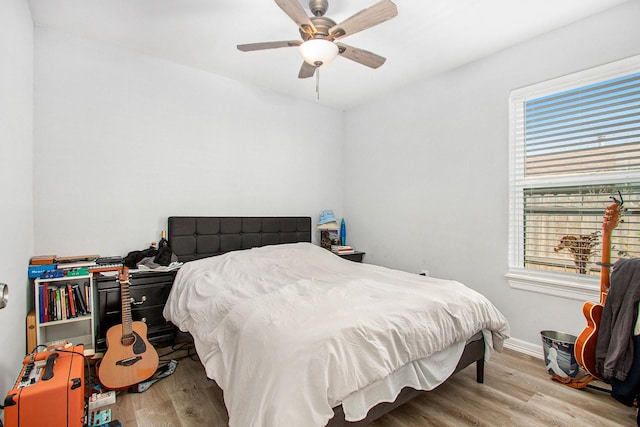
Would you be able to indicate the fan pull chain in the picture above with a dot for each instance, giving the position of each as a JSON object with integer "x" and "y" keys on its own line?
{"x": 318, "y": 83}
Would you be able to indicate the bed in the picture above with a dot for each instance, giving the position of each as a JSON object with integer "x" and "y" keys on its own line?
{"x": 295, "y": 335}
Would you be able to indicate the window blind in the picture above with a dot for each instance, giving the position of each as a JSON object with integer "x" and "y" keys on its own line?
{"x": 594, "y": 128}
{"x": 563, "y": 226}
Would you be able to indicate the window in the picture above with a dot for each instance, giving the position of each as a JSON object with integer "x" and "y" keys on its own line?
{"x": 575, "y": 144}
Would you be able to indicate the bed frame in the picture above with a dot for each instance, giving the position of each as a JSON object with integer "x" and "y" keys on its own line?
{"x": 195, "y": 237}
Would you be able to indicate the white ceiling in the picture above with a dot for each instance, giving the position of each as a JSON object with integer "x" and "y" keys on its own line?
{"x": 426, "y": 37}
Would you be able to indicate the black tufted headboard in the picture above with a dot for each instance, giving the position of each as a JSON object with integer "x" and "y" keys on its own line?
{"x": 195, "y": 237}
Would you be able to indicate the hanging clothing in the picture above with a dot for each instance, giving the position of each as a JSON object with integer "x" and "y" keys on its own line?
{"x": 614, "y": 346}
{"x": 627, "y": 390}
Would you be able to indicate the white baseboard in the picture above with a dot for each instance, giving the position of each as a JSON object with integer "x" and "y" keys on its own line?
{"x": 525, "y": 347}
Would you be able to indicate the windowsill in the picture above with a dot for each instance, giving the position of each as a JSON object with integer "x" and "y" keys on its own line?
{"x": 559, "y": 285}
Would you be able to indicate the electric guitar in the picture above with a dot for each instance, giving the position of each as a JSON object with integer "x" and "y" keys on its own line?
{"x": 585, "y": 348}
{"x": 129, "y": 358}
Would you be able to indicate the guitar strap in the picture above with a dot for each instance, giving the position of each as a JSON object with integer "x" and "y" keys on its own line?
{"x": 161, "y": 372}
{"x": 580, "y": 382}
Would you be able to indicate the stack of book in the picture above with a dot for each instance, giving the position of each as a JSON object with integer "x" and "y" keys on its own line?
{"x": 48, "y": 264}
{"x": 342, "y": 249}
{"x": 61, "y": 301}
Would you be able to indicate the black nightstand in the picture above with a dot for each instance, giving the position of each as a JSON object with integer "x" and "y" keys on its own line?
{"x": 355, "y": 257}
{"x": 149, "y": 292}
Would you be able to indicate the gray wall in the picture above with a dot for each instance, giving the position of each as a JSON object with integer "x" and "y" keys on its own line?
{"x": 124, "y": 140}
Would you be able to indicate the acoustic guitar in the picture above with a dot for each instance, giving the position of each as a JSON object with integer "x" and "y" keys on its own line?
{"x": 585, "y": 347}
{"x": 129, "y": 358}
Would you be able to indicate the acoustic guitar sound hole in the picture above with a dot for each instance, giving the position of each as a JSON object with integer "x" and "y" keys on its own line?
{"x": 128, "y": 340}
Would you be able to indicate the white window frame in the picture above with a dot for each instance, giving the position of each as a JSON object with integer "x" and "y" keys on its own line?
{"x": 542, "y": 281}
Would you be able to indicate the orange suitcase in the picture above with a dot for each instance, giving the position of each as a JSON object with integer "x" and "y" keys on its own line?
{"x": 49, "y": 390}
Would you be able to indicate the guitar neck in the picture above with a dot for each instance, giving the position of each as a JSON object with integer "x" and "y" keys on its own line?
{"x": 606, "y": 262}
{"x": 609, "y": 222}
{"x": 125, "y": 298}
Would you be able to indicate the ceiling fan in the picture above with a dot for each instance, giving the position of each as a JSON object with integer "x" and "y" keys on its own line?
{"x": 319, "y": 33}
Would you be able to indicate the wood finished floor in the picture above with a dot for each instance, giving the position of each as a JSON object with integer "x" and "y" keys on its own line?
{"x": 517, "y": 392}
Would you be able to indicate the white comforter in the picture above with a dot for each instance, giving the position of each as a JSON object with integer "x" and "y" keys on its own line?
{"x": 289, "y": 331}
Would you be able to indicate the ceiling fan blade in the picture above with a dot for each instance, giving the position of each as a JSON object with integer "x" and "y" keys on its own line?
{"x": 268, "y": 45}
{"x": 295, "y": 11}
{"x": 360, "y": 56}
{"x": 367, "y": 18}
{"x": 306, "y": 70}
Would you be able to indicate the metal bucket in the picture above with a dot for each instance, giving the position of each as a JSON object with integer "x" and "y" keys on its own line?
{"x": 559, "y": 357}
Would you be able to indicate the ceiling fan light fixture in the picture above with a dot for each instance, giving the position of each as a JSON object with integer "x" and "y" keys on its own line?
{"x": 318, "y": 52}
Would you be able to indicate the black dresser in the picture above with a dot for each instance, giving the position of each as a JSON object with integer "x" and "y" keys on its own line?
{"x": 149, "y": 292}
